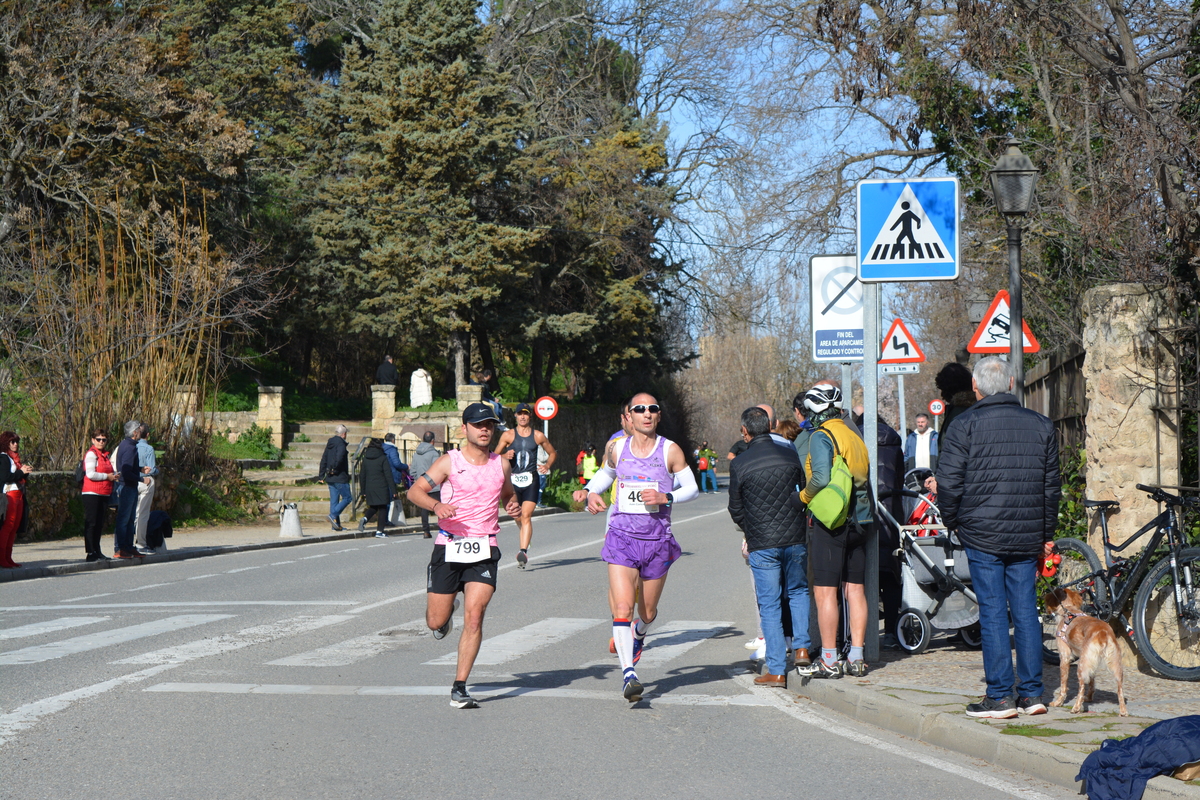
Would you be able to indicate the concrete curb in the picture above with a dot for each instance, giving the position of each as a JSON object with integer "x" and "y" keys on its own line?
{"x": 961, "y": 734}
{"x": 28, "y": 573}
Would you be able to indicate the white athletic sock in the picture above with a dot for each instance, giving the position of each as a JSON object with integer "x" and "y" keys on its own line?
{"x": 623, "y": 639}
{"x": 641, "y": 628}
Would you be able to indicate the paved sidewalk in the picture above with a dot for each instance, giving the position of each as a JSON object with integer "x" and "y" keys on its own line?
{"x": 924, "y": 697}
{"x": 64, "y": 556}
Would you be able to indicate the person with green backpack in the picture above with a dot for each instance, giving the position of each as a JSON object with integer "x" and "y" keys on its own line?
{"x": 839, "y": 511}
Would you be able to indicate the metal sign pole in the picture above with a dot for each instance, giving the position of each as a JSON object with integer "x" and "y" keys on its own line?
{"x": 903, "y": 416}
{"x": 870, "y": 437}
{"x": 848, "y": 386}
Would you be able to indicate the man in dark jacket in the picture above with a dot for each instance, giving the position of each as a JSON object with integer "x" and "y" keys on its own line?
{"x": 125, "y": 460}
{"x": 998, "y": 486}
{"x": 334, "y": 470}
{"x": 387, "y": 374}
{"x": 760, "y": 481}
{"x": 375, "y": 486}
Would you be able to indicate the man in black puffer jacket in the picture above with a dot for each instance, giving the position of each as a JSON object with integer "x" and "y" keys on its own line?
{"x": 998, "y": 485}
{"x": 760, "y": 481}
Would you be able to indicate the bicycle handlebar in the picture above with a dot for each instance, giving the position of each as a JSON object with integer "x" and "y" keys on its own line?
{"x": 1162, "y": 496}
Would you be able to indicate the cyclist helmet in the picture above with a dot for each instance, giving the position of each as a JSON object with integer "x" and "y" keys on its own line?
{"x": 823, "y": 400}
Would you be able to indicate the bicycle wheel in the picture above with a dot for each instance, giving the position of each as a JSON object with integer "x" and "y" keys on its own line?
{"x": 1168, "y": 639}
{"x": 913, "y": 631}
{"x": 1078, "y": 560}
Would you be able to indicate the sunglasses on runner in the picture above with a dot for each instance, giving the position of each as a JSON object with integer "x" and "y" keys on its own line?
{"x": 653, "y": 408}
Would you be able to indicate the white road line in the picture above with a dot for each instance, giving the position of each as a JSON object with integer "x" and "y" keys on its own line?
{"x": 514, "y": 644}
{"x": 259, "y": 634}
{"x": 89, "y": 597}
{"x": 49, "y": 626}
{"x": 201, "y": 577}
{"x": 148, "y": 586}
{"x": 480, "y": 691}
{"x": 786, "y": 703}
{"x": 318, "y": 555}
{"x": 242, "y": 569}
{"x": 354, "y": 650}
{"x": 193, "y": 604}
{"x": 94, "y": 641}
{"x": 277, "y": 563}
{"x": 26, "y": 716}
{"x": 675, "y": 638}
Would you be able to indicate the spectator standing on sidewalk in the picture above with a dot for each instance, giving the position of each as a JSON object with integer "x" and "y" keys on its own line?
{"x": 422, "y": 460}
{"x": 998, "y": 486}
{"x": 334, "y": 471}
{"x": 708, "y": 471}
{"x": 126, "y": 462}
{"x": 149, "y": 477}
{"x": 760, "y": 480}
{"x": 921, "y": 446}
{"x": 98, "y": 479}
{"x": 376, "y": 487}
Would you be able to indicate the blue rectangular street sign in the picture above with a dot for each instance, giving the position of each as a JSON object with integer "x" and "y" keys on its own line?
{"x": 908, "y": 229}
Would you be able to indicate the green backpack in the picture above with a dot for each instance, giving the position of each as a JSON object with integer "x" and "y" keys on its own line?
{"x": 831, "y": 504}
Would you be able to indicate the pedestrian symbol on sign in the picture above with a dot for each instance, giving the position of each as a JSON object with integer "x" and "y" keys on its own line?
{"x": 917, "y": 239}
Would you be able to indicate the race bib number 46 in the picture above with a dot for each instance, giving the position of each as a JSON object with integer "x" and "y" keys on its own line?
{"x": 468, "y": 550}
{"x": 629, "y": 497}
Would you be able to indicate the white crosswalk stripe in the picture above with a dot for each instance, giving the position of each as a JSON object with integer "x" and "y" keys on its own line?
{"x": 94, "y": 641}
{"x": 523, "y": 641}
{"x": 674, "y": 639}
{"x": 360, "y": 648}
{"x": 258, "y": 634}
{"x": 49, "y": 626}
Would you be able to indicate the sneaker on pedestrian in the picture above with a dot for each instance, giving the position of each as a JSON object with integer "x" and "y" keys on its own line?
{"x": 440, "y": 633}
{"x": 989, "y": 708}
{"x": 461, "y": 698}
{"x": 855, "y": 669}
{"x": 760, "y": 653}
{"x": 632, "y": 690}
{"x": 337, "y": 526}
{"x": 522, "y": 559}
{"x": 362, "y": 525}
{"x": 754, "y": 644}
{"x": 380, "y": 535}
{"x": 888, "y": 641}
{"x": 145, "y": 551}
{"x": 124, "y": 554}
{"x": 819, "y": 669}
{"x": 1031, "y": 706}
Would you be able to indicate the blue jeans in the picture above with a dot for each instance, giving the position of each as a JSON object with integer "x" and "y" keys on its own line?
{"x": 711, "y": 476}
{"x": 780, "y": 572}
{"x": 1004, "y": 586}
{"x": 126, "y": 515}
{"x": 336, "y": 505}
{"x": 541, "y": 487}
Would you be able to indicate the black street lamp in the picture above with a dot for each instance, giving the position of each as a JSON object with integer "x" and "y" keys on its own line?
{"x": 1013, "y": 180}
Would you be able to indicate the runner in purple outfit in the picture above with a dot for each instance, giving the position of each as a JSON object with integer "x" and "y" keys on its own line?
{"x": 639, "y": 546}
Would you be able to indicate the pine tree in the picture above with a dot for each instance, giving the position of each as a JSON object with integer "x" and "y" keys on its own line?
{"x": 407, "y": 228}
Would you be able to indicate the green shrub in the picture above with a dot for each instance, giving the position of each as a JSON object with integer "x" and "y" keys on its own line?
{"x": 558, "y": 491}
{"x": 301, "y": 437}
{"x": 438, "y": 404}
{"x": 1072, "y": 517}
{"x": 254, "y": 443}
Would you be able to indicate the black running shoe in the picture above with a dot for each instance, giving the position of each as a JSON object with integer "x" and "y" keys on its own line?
{"x": 522, "y": 559}
{"x": 855, "y": 669}
{"x": 1031, "y": 706}
{"x": 818, "y": 669}
{"x": 460, "y": 698}
{"x": 633, "y": 690}
{"x": 987, "y": 708}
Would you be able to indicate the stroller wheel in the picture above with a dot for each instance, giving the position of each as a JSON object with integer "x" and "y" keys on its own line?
{"x": 913, "y": 631}
{"x": 971, "y": 637}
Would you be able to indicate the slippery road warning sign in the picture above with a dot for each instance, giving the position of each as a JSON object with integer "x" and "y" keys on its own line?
{"x": 908, "y": 229}
{"x": 899, "y": 346}
{"x": 992, "y": 335}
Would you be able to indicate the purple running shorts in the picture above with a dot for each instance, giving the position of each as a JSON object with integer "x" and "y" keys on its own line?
{"x": 650, "y": 557}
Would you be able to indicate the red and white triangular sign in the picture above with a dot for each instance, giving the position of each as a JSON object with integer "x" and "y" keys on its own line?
{"x": 899, "y": 346}
{"x": 992, "y": 334}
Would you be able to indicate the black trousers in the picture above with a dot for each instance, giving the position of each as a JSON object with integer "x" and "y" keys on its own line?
{"x": 95, "y": 508}
{"x": 381, "y": 511}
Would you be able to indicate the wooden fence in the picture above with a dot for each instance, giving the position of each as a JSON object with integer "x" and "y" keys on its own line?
{"x": 1056, "y": 389}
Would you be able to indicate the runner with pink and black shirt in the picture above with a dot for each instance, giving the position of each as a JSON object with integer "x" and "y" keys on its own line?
{"x": 465, "y": 555}
{"x": 638, "y": 545}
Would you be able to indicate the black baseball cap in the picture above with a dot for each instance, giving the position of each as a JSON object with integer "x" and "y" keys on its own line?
{"x": 479, "y": 412}
{"x": 524, "y": 407}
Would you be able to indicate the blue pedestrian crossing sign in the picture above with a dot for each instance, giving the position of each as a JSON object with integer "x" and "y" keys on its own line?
{"x": 908, "y": 229}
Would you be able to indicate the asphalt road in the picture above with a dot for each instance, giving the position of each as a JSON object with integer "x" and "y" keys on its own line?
{"x": 308, "y": 672}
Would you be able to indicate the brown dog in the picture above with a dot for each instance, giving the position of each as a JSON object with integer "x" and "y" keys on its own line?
{"x": 1090, "y": 640}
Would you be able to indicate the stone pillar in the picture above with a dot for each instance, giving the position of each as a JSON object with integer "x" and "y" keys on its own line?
{"x": 1127, "y": 443}
{"x": 270, "y": 412}
{"x": 383, "y": 408}
{"x": 184, "y": 404}
{"x": 467, "y": 394}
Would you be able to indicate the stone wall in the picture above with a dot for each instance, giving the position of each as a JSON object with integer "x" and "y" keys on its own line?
{"x": 1126, "y": 443}
{"x": 231, "y": 424}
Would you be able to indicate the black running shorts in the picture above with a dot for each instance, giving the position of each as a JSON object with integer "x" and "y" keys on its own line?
{"x": 443, "y": 578}
{"x": 839, "y": 558}
{"x": 528, "y": 494}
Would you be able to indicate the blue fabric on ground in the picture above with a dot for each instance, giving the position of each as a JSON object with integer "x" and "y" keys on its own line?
{"x": 1120, "y": 769}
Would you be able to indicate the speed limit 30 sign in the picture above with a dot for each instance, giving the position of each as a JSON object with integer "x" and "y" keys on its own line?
{"x": 936, "y": 407}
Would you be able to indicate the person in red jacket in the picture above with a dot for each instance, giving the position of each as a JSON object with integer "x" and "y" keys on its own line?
{"x": 98, "y": 479}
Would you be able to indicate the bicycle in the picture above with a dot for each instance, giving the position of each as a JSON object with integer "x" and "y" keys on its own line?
{"x": 1166, "y": 607}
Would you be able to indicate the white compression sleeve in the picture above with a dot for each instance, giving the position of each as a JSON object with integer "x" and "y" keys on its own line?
{"x": 603, "y": 479}
{"x": 688, "y": 490}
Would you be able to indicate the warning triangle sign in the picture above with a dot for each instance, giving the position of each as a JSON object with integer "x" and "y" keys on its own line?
{"x": 992, "y": 335}
{"x": 908, "y": 235}
{"x": 899, "y": 346}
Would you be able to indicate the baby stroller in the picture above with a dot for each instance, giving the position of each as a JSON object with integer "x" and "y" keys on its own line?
{"x": 933, "y": 571}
